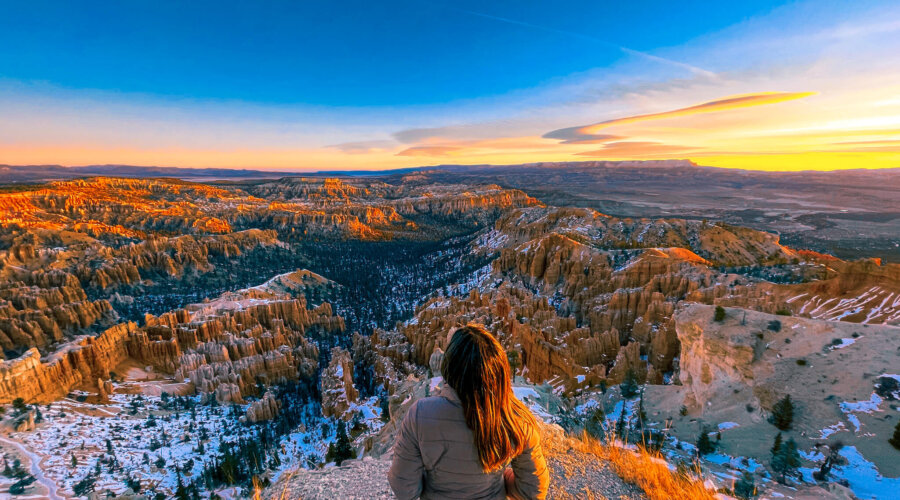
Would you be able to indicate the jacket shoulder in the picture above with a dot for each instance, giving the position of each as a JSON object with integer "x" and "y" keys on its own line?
{"x": 433, "y": 404}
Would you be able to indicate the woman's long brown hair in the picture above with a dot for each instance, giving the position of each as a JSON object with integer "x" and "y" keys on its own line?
{"x": 476, "y": 367}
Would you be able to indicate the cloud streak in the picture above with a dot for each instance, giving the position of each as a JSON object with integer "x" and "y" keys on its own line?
{"x": 430, "y": 151}
{"x": 637, "y": 149}
{"x": 591, "y": 133}
{"x": 364, "y": 147}
{"x": 581, "y": 36}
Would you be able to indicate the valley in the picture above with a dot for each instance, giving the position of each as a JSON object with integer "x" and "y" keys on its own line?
{"x": 165, "y": 337}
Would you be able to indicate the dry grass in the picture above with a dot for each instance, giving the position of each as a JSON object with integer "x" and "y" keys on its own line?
{"x": 649, "y": 471}
{"x": 258, "y": 488}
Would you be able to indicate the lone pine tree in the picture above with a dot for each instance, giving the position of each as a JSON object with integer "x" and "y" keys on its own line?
{"x": 783, "y": 413}
{"x": 720, "y": 314}
{"x": 705, "y": 445}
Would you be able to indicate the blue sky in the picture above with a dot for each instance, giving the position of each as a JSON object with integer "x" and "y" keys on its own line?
{"x": 341, "y": 53}
{"x": 308, "y": 85}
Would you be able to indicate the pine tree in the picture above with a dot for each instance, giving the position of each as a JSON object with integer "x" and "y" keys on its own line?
{"x": 385, "y": 410}
{"x": 340, "y": 449}
{"x": 704, "y": 444}
{"x": 19, "y": 405}
{"x": 594, "y": 423}
{"x": 18, "y": 488}
{"x": 134, "y": 484}
{"x": 895, "y": 439}
{"x": 512, "y": 356}
{"x": 195, "y": 491}
{"x": 629, "y": 386}
{"x": 181, "y": 492}
{"x": 18, "y": 471}
{"x": 85, "y": 486}
{"x": 745, "y": 486}
{"x": 787, "y": 460}
{"x": 776, "y": 446}
{"x": 343, "y": 448}
{"x": 783, "y": 413}
{"x": 720, "y": 314}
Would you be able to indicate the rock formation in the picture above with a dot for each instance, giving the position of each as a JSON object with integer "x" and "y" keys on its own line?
{"x": 224, "y": 351}
{"x": 80, "y": 362}
{"x": 336, "y": 385}
{"x": 266, "y": 408}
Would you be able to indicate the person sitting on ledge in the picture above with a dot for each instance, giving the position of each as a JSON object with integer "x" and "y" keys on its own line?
{"x": 475, "y": 439}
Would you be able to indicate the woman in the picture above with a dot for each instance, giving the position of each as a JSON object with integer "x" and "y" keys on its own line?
{"x": 459, "y": 444}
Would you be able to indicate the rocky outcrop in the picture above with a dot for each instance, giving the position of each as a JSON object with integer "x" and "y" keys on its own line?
{"x": 389, "y": 355}
{"x": 324, "y": 190}
{"x": 336, "y": 385}
{"x": 718, "y": 243}
{"x": 434, "y": 362}
{"x": 33, "y": 317}
{"x": 109, "y": 206}
{"x": 635, "y": 299}
{"x": 550, "y": 347}
{"x": 224, "y": 348}
{"x": 266, "y": 408}
{"x": 230, "y": 346}
{"x": 171, "y": 257}
{"x": 41, "y": 304}
{"x": 372, "y": 209}
{"x": 760, "y": 352}
{"x": 81, "y": 362}
{"x": 863, "y": 291}
{"x": 477, "y": 203}
{"x": 735, "y": 370}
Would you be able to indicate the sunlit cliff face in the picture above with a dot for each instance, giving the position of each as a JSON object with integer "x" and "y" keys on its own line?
{"x": 136, "y": 208}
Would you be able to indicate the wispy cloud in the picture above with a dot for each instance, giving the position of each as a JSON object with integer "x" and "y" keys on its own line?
{"x": 364, "y": 147}
{"x": 430, "y": 151}
{"x": 572, "y": 135}
{"x": 444, "y": 146}
{"x": 588, "y": 38}
{"x": 589, "y": 133}
{"x": 637, "y": 149}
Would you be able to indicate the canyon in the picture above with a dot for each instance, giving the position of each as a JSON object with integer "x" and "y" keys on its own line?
{"x": 287, "y": 308}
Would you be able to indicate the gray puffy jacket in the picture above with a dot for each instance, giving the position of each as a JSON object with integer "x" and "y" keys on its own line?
{"x": 435, "y": 457}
